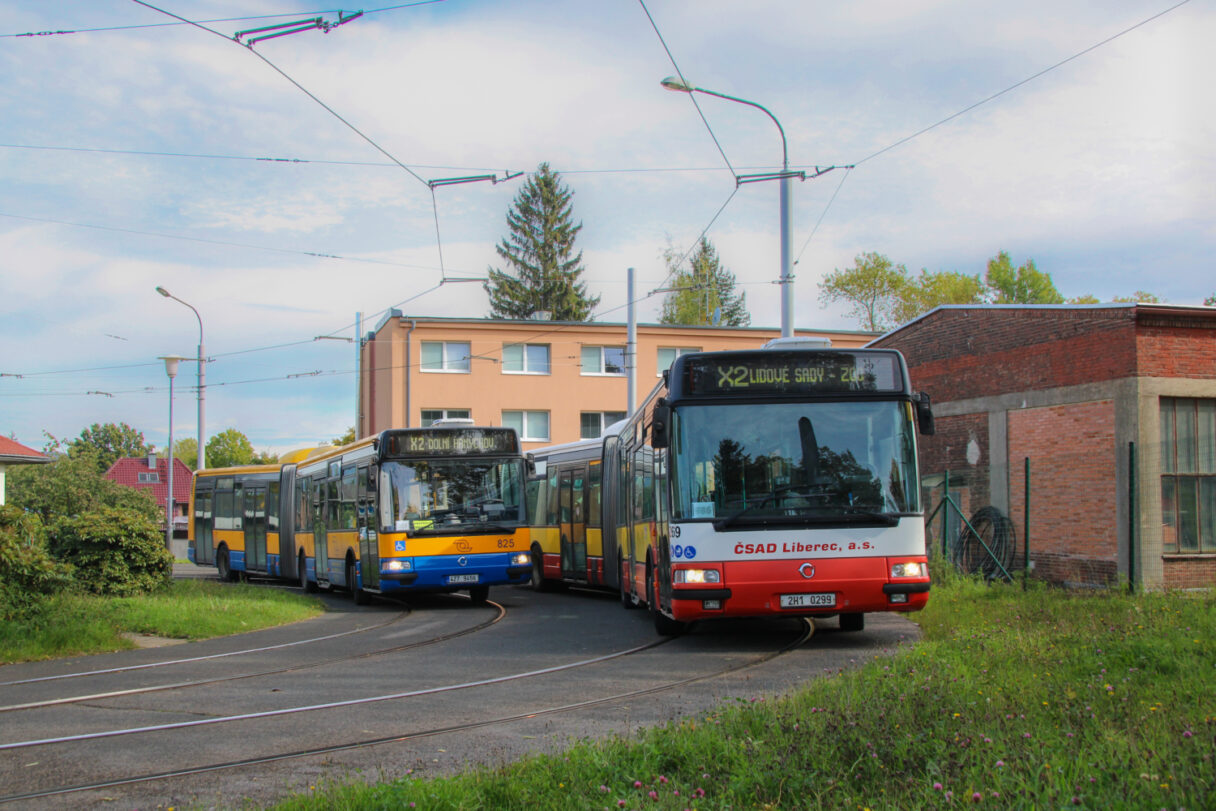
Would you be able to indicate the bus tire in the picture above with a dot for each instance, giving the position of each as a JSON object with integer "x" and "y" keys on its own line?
{"x": 308, "y": 586}
{"x": 665, "y": 625}
{"x": 479, "y": 594}
{"x": 852, "y": 622}
{"x": 357, "y": 594}
{"x": 539, "y": 583}
{"x": 224, "y": 566}
{"x": 628, "y": 599}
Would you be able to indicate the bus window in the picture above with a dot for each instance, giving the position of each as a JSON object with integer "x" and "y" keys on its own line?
{"x": 594, "y": 494}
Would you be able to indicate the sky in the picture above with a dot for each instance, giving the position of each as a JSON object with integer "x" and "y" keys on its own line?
{"x": 281, "y": 188}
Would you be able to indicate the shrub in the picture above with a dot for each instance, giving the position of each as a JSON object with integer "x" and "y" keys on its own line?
{"x": 27, "y": 572}
{"x": 115, "y": 551}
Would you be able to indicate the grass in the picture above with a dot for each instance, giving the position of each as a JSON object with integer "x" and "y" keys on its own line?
{"x": 1035, "y": 699}
{"x": 71, "y": 624}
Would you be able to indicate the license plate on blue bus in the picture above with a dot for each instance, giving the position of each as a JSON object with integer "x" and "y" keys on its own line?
{"x": 825, "y": 599}
{"x": 462, "y": 578}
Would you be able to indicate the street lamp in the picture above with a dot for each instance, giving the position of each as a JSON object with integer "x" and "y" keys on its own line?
{"x": 171, "y": 362}
{"x": 787, "y": 281}
{"x": 202, "y": 380}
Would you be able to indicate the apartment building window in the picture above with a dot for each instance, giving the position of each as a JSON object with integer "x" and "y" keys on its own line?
{"x": 445, "y": 356}
{"x": 603, "y": 360}
{"x": 1188, "y": 475}
{"x": 593, "y": 423}
{"x": 532, "y": 426}
{"x": 525, "y": 359}
{"x": 668, "y": 355}
{"x": 432, "y": 415}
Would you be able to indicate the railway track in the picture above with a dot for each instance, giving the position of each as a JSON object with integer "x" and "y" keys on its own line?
{"x": 60, "y": 747}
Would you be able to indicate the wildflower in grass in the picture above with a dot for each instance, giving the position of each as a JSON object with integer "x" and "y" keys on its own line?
{"x": 654, "y": 795}
{"x": 1000, "y": 764}
{"x": 604, "y": 789}
{"x": 620, "y": 803}
{"x": 1186, "y": 733}
{"x": 937, "y": 786}
{"x": 976, "y": 797}
{"x": 637, "y": 783}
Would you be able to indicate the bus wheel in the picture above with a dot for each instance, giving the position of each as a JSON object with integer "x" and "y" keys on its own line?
{"x": 665, "y": 625}
{"x": 628, "y": 599}
{"x": 852, "y": 622}
{"x": 307, "y": 585}
{"x": 223, "y": 566}
{"x": 357, "y": 594}
{"x": 539, "y": 583}
{"x": 479, "y": 594}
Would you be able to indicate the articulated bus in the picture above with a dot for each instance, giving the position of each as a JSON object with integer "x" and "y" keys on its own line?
{"x": 422, "y": 509}
{"x": 773, "y": 482}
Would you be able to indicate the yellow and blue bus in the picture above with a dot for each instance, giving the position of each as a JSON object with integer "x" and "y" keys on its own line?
{"x": 416, "y": 509}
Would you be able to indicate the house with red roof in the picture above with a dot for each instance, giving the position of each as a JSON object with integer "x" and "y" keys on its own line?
{"x": 151, "y": 473}
{"x": 14, "y": 453}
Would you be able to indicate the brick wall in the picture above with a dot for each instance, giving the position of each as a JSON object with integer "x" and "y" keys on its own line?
{"x": 1190, "y": 573}
{"x": 1073, "y": 496}
{"x": 958, "y": 354}
{"x": 1176, "y": 350}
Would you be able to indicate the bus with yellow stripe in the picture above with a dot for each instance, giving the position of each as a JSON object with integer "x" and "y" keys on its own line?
{"x": 439, "y": 508}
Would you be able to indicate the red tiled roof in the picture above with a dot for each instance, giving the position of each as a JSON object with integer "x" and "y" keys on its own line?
{"x": 127, "y": 469}
{"x": 16, "y": 453}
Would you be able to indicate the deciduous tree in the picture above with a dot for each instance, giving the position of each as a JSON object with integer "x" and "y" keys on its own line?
{"x": 1024, "y": 285}
{"x": 542, "y": 271}
{"x": 107, "y": 443}
{"x": 229, "y": 448}
{"x": 704, "y": 292}
{"x": 872, "y": 288}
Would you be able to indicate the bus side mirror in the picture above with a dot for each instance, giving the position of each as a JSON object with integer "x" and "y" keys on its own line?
{"x": 924, "y": 415}
{"x": 658, "y": 425}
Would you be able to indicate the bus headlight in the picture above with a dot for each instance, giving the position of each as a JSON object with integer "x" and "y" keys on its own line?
{"x": 521, "y": 558}
{"x": 910, "y": 570}
{"x": 396, "y": 566}
{"x": 696, "y": 576}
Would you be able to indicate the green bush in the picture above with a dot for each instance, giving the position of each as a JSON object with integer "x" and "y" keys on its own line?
{"x": 115, "y": 551}
{"x": 28, "y": 573}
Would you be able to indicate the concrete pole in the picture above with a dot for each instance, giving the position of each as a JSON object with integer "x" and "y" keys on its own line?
{"x": 631, "y": 346}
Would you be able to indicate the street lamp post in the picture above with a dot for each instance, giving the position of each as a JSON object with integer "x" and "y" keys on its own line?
{"x": 171, "y": 362}
{"x": 787, "y": 280}
{"x": 202, "y": 381}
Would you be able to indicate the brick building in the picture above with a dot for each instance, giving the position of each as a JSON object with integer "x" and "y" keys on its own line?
{"x": 1080, "y": 392}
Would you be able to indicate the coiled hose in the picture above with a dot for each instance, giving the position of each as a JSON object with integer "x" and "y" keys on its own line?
{"x": 998, "y": 534}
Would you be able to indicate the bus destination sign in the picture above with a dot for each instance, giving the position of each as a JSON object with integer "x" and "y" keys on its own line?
{"x": 801, "y": 373}
{"x": 452, "y": 442}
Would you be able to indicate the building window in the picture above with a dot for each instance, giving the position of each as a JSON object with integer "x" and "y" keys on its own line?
{"x": 1188, "y": 475}
{"x": 149, "y": 478}
{"x": 433, "y": 415}
{"x": 603, "y": 360}
{"x": 593, "y": 423}
{"x": 445, "y": 356}
{"x": 668, "y": 355}
{"x": 532, "y": 426}
{"x": 526, "y": 359}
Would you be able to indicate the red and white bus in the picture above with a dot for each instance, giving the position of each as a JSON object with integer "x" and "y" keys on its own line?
{"x": 771, "y": 482}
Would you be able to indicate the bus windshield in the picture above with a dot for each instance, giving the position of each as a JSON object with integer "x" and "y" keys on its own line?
{"x": 439, "y": 495}
{"x": 813, "y": 461}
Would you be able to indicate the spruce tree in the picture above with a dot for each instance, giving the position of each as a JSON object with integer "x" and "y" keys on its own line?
{"x": 703, "y": 292}
{"x": 542, "y": 271}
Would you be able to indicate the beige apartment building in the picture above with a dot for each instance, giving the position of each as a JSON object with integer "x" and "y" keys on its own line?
{"x": 552, "y": 381}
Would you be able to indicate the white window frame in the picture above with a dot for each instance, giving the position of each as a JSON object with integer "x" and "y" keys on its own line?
{"x": 448, "y": 357}
{"x": 604, "y": 421}
{"x": 679, "y": 350}
{"x": 525, "y": 426}
{"x": 526, "y": 370}
{"x": 448, "y": 414}
{"x": 600, "y": 370}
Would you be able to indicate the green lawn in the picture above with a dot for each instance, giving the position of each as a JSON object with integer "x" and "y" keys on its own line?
{"x": 70, "y": 624}
{"x": 1041, "y": 699}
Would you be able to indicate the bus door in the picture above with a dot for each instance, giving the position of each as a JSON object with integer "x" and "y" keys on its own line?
{"x": 369, "y": 543}
{"x": 255, "y": 529}
{"x": 204, "y": 551}
{"x": 573, "y": 524}
{"x": 320, "y": 528}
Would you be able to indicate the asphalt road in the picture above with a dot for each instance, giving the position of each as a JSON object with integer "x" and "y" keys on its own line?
{"x": 440, "y": 682}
